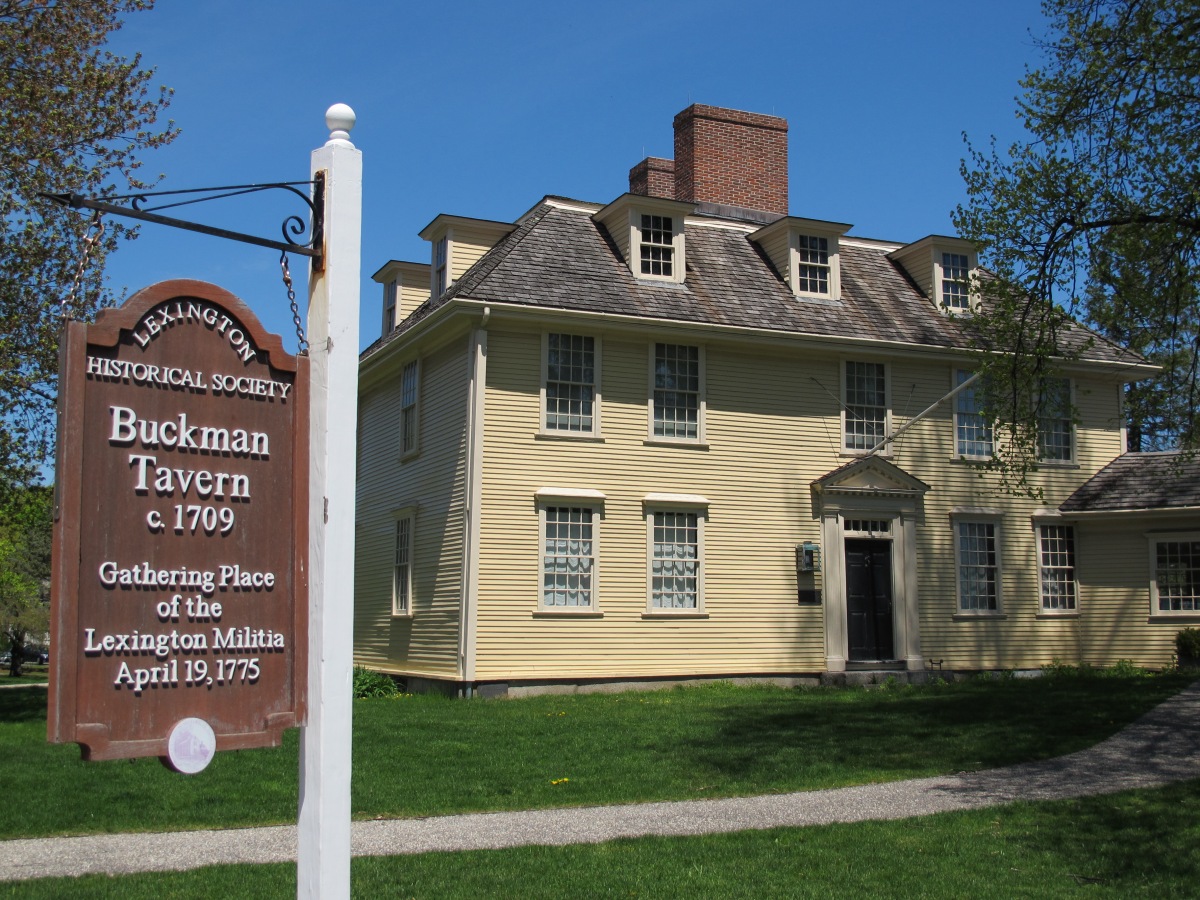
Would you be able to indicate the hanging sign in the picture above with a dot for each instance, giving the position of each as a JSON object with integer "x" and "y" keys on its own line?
{"x": 179, "y": 599}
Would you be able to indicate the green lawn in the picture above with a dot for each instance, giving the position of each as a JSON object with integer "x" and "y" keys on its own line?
{"x": 1136, "y": 844}
{"x": 429, "y": 755}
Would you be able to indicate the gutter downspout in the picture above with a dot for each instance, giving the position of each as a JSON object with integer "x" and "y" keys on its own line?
{"x": 476, "y": 396}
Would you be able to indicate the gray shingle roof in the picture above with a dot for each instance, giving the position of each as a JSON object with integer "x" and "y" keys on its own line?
{"x": 1166, "y": 480}
{"x": 560, "y": 258}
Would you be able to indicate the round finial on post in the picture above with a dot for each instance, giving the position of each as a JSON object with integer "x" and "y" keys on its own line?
{"x": 339, "y": 119}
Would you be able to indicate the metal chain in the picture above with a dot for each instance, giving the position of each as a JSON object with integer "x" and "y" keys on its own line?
{"x": 301, "y": 340}
{"x": 89, "y": 243}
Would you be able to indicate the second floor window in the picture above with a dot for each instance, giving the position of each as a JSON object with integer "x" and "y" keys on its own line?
{"x": 570, "y": 383}
{"x": 409, "y": 388}
{"x": 676, "y": 391}
{"x": 972, "y": 430}
{"x": 1055, "y": 428}
{"x": 865, "y": 406}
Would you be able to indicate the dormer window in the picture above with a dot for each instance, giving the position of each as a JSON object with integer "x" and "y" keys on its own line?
{"x": 648, "y": 233}
{"x": 390, "y": 289}
{"x": 806, "y": 254}
{"x": 440, "y": 255}
{"x": 812, "y": 268}
{"x": 956, "y": 287}
{"x": 658, "y": 246}
{"x": 458, "y": 243}
{"x": 944, "y": 269}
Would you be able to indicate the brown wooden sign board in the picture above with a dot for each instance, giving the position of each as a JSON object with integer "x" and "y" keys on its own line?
{"x": 179, "y": 579}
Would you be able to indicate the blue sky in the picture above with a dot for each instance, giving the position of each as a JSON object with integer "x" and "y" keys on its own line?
{"x": 480, "y": 109}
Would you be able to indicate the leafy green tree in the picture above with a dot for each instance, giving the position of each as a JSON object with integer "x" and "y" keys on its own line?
{"x": 1096, "y": 217}
{"x": 25, "y": 537}
{"x": 74, "y": 118}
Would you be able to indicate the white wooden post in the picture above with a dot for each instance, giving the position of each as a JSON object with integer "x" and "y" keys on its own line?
{"x": 323, "y": 860}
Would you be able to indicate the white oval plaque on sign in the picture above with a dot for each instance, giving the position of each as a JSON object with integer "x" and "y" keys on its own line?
{"x": 191, "y": 746}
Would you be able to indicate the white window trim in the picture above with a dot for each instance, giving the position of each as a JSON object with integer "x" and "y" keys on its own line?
{"x": 597, "y": 356}
{"x": 678, "y": 266}
{"x": 565, "y": 496}
{"x": 701, "y": 399}
{"x": 794, "y": 263}
{"x": 1154, "y": 539}
{"x": 971, "y": 457}
{"x": 1039, "y": 523}
{"x": 981, "y": 517}
{"x": 406, "y": 452}
{"x": 668, "y": 503}
{"x": 887, "y": 416}
{"x": 1074, "y": 437}
{"x": 409, "y": 514}
{"x": 939, "y": 275}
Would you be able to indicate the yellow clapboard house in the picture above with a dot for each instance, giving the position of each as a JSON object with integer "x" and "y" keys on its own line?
{"x": 684, "y": 434}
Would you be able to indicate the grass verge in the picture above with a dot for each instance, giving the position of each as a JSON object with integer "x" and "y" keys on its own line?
{"x": 428, "y": 755}
{"x": 1134, "y": 844}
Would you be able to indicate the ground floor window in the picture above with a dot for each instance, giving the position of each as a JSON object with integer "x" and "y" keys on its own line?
{"x": 402, "y": 567}
{"x": 675, "y": 560}
{"x": 978, "y": 558}
{"x": 568, "y": 557}
{"x": 1056, "y": 567}
{"x": 1177, "y": 573}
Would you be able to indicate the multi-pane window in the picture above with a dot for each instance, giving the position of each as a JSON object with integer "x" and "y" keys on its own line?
{"x": 568, "y": 557}
{"x": 972, "y": 431}
{"x": 955, "y": 286}
{"x": 866, "y": 405}
{"x": 978, "y": 567}
{"x": 675, "y": 561}
{"x": 812, "y": 275}
{"x": 1177, "y": 575}
{"x": 676, "y": 391}
{"x": 1056, "y": 567}
{"x": 402, "y": 567}
{"x": 440, "y": 259}
{"x": 409, "y": 384}
{"x": 1054, "y": 420}
{"x": 658, "y": 246}
{"x": 570, "y": 383}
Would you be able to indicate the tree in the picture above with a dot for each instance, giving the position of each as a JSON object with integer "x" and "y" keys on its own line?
{"x": 25, "y": 538}
{"x": 75, "y": 118}
{"x": 1096, "y": 217}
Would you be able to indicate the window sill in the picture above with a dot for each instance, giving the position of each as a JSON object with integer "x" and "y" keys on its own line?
{"x": 985, "y": 616}
{"x": 402, "y": 616}
{"x": 567, "y": 613}
{"x": 675, "y": 614}
{"x": 1057, "y": 464}
{"x": 682, "y": 442}
{"x": 576, "y": 436}
{"x": 886, "y": 453}
{"x": 971, "y": 460}
{"x": 1050, "y": 614}
{"x": 411, "y": 454}
{"x": 1163, "y": 617}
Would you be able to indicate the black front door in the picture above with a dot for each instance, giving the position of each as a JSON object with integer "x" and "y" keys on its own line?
{"x": 869, "y": 600}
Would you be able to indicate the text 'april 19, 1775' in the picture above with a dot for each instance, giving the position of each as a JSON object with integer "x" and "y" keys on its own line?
{"x": 179, "y": 577}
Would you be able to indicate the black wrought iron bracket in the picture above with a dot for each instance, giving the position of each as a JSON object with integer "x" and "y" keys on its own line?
{"x": 293, "y": 228}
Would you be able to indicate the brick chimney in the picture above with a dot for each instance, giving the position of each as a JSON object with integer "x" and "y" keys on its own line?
{"x": 653, "y": 177}
{"x": 730, "y": 157}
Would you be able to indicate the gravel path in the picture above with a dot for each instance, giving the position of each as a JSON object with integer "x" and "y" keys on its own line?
{"x": 1161, "y": 747}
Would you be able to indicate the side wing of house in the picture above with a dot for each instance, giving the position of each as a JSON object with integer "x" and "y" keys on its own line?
{"x": 409, "y": 561}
